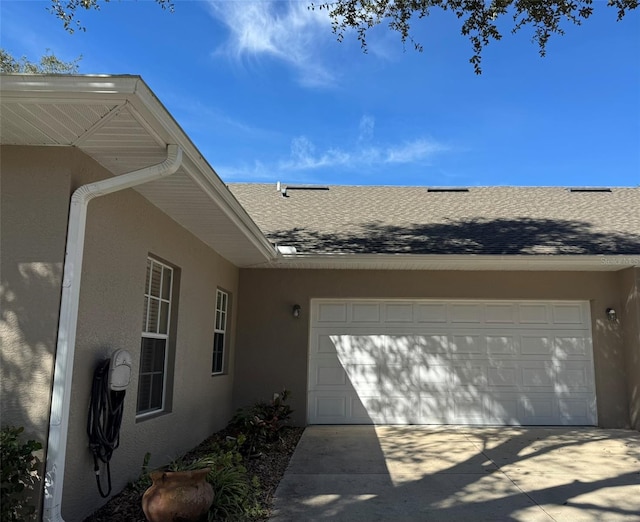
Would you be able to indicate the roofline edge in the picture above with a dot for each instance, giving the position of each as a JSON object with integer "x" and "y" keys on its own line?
{"x": 532, "y": 262}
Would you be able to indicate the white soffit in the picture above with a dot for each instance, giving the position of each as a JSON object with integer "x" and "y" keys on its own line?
{"x": 48, "y": 124}
{"x": 118, "y": 121}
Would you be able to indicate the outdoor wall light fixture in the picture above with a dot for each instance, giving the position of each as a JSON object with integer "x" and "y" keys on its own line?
{"x": 612, "y": 315}
{"x": 296, "y": 311}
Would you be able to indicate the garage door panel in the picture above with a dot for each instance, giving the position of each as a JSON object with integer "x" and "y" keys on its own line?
{"x": 326, "y": 370}
{"x": 504, "y": 376}
{"x": 364, "y": 377}
{"x": 365, "y": 313}
{"x": 339, "y": 408}
{"x": 533, "y": 314}
{"x": 399, "y": 379}
{"x": 399, "y": 313}
{"x": 577, "y": 409}
{"x": 502, "y": 344}
{"x": 402, "y": 409}
{"x": 376, "y": 408}
{"x": 331, "y": 407}
{"x": 502, "y": 409}
{"x": 359, "y": 413}
{"x": 570, "y": 345}
{"x": 468, "y": 374}
{"x": 466, "y": 313}
{"x": 573, "y": 376}
{"x": 436, "y": 408}
{"x": 431, "y": 313}
{"x": 324, "y": 345}
{"x": 434, "y": 343}
{"x": 359, "y": 348}
{"x": 536, "y": 344}
{"x": 434, "y": 377}
{"x": 500, "y": 313}
{"x": 330, "y": 376}
{"x": 469, "y": 408}
{"x": 465, "y": 362}
{"x": 331, "y": 313}
{"x": 538, "y": 409}
{"x": 564, "y": 314}
{"x": 402, "y": 349}
{"x": 576, "y": 379}
{"x": 537, "y": 375}
{"x": 466, "y": 343}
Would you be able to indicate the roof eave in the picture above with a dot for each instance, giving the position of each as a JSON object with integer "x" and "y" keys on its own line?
{"x": 590, "y": 263}
{"x": 131, "y": 90}
{"x": 204, "y": 174}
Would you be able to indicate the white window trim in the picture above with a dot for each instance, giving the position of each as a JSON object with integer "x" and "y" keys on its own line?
{"x": 223, "y": 330}
{"x": 156, "y": 335}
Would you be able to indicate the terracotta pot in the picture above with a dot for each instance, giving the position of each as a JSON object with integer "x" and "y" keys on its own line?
{"x": 177, "y": 496}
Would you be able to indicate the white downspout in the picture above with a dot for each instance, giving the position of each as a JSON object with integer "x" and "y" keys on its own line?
{"x": 69, "y": 303}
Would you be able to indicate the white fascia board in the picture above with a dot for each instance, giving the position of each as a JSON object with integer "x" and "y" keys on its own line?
{"x": 604, "y": 263}
{"x": 199, "y": 169}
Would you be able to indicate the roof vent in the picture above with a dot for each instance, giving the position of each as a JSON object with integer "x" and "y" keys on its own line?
{"x": 590, "y": 189}
{"x": 447, "y": 189}
{"x": 284, "y": 249}
{"x": 284, "y": 188}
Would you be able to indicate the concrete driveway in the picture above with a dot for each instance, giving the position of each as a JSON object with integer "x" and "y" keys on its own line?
{"x": 461, "y": 473}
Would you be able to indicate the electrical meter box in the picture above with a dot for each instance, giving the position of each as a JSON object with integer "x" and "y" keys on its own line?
{"x": 120, "y": 370}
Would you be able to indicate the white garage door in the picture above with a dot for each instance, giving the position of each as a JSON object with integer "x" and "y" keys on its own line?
{"x": 451, "y": 362}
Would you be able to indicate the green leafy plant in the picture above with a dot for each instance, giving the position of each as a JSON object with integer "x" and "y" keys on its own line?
{"x": 261, "y": 422}
{"x": 235, "y": 493}
{"x": 19, "y": 476}
{"x": 144, "y": 480}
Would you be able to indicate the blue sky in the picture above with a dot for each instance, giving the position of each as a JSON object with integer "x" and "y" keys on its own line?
{"x": 266, "y": 93}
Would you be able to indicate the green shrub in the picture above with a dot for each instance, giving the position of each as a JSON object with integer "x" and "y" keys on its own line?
{"x": 261, "y": 422}
{"x": 235, "y": 493}
{"x": 19, "y": 476}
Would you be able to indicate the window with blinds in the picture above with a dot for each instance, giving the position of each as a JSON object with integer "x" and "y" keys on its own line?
{"x": 155, "y": 335}
{"x": 219, "y": 335}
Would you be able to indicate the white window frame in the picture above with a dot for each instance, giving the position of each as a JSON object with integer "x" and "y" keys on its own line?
{"x": 220, "y": 329}
{"x": 147, "y": 330}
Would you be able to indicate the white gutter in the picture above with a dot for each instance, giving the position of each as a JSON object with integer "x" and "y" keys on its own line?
{"x": 532, "y": 262}
{"x": 65, "y": 349}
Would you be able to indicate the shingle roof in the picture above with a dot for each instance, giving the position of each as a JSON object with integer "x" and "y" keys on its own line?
{"x": 484, "y": 220}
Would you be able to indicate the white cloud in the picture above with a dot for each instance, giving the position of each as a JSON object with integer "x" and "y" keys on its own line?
{"x": 287, "y": 31}
{"x": 366, "y": 128}
{"x": 412, "y": 151}
{"x": 309, "y": 162}
{"x": 256, "y": 172}
{"x": 305, "y": 157}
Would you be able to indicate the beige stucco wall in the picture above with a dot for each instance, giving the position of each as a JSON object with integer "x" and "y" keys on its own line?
{"x": 122, "y": 229}
{"x": 33, "y": 230}
{"x": 272, "y": 346}
{"x": 34, "y": 203}
{"x": 629, "y": 323}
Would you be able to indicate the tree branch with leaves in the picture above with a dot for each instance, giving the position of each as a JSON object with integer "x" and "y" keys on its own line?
{"x": 66, "y": 10}
{"x": 49, "y": 64}
{"x": 479, "y": 18}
